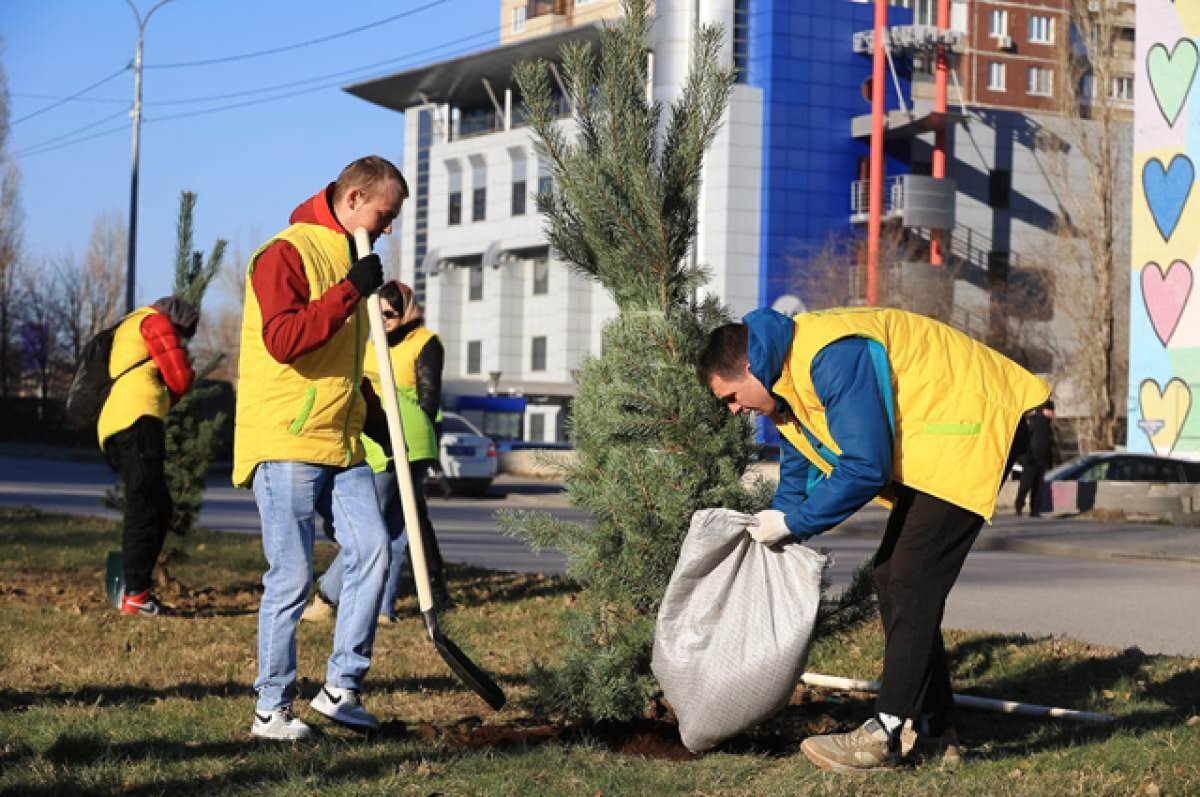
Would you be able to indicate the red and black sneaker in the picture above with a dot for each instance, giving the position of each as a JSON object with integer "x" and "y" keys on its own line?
{"x": 141, "y": 603}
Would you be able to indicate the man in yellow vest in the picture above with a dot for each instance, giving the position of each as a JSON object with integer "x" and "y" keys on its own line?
{"x": 417, "y": 358}
{"x": 302, "y": 404}
{"x": 899, "y": 408}
{"x": 152, "y": 373}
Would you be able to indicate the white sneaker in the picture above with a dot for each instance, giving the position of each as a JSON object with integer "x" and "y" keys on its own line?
{"x": 343, "y": 706}
{"x": 280, "y": 724}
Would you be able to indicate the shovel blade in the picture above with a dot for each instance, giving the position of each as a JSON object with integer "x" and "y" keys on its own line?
{"x": 479, "y": 681}
{"x": 114, "y": 578}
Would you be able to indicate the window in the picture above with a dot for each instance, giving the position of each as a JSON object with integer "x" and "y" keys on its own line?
{"x": 541, "y": 277}
{"x": 1122, "y": 88}
{"x": 479, "y": 204}
{"x": 996, "y": 75}
{"x": 537, "y": 427}
{"x": 518, "y": 19}
{"x": 924, "y": 12}
{"x": 520, "y": 188}
{"x": 475, "y": 283}
{"x": 454, "y": 184}
{"x": 537, "y": 359}
{"x": 1087, "y": 87}
{"x": 479, "y": 189}
{"x": 519, "y": 192}
{"x": 999, "y": 187}
{"x": 1039, "y": 81}
{"x": 998, "y": 23}
{"x": 474, "y": 356}
{"x": 545, "y": 181}
{"x": 741, "y": 38}
{"x": 1041, "y": 29}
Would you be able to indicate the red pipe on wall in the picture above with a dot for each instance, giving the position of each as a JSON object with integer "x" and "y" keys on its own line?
{"x": 875, "y": 175}
{"x": 940, "y": 78}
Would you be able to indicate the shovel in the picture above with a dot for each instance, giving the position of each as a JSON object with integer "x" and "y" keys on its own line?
{"x": 462, "y": 666}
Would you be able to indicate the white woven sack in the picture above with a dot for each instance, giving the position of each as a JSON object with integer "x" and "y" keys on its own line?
{"x": 734, "y": 628}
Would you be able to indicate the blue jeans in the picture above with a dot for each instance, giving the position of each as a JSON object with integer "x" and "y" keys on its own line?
{"x": 388, "y": 496}
{"x": 290, "y": 496}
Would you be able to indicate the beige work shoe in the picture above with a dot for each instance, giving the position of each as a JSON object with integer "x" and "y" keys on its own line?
{"x": 319, "y": 611}
{"x": 864, "y": 749}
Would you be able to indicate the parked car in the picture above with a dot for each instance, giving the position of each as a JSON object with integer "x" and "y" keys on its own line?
{"x": 1119, "y": 466}
{"x": 468, "y": 456}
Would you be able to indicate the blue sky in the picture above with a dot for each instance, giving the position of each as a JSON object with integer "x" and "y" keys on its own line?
{"x": 250, "y": 165}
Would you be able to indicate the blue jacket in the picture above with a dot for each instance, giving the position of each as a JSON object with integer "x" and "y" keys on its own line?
{"x": 853, "y": 382}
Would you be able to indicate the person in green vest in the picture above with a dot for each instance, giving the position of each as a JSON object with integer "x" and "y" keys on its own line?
{"x": 890, "y": 406}
{"x": 417, "y": 360}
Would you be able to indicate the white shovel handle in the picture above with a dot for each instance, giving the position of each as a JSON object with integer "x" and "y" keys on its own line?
{"x": 387, "y": 391}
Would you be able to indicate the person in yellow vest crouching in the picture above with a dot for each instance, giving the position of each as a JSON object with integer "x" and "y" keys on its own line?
{"x": 889, "y": 406}
{"x": 302, "y": 405}
{"x": 417, "y": 360}
{"x": 152, "y": 372}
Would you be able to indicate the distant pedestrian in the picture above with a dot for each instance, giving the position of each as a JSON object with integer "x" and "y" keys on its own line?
{"x": 1037, "y": 458}
{"x": 302, "y": 404}
{"x": 132, "y": 433}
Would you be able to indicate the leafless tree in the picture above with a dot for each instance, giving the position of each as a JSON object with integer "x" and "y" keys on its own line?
{"x": 221, "y": 324}
{"x": 10, "y": 245}
{"x": 90, "y": 293}
{"x": 1088, "y": 155}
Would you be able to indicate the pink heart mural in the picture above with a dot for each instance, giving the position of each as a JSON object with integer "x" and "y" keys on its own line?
{"x": 1165, "y": 296}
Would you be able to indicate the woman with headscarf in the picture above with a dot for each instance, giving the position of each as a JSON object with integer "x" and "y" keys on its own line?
{"x": 417, "y": 360}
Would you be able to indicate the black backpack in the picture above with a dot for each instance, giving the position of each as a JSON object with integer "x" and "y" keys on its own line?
{"x": 92, "y": 384}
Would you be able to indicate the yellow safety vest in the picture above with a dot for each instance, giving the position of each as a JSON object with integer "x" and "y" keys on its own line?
{"x": 957, "y": 402}
{"x": 310, "y": 410}
{"x": 420, "y": 437}
{"x": 140, "y": 392}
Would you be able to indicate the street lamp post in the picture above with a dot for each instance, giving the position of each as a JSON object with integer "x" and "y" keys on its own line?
{"x": 136, "y": 115}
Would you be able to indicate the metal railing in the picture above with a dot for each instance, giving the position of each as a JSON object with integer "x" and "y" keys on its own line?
{"x": 893, "y": 196}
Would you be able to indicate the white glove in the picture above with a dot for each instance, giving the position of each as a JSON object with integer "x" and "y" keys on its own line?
{"x": 769, "y": 527}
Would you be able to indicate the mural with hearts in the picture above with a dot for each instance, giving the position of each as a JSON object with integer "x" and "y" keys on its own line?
{"x": 1164, "y": 346}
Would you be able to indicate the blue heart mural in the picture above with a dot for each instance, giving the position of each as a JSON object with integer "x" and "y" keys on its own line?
{"x": 1167, "y": 189}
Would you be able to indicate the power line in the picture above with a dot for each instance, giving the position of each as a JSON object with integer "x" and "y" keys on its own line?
{"x": 298, "y": 45}
{"x": 74, "y": 132}
{"x": 326, "y": 85}
{"x": 32, "y": 96}
{"x": 79, "y": 93}
{"x": 41, "y": 149}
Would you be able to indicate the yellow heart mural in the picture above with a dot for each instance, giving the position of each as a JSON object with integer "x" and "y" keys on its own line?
{"x": 1163, "y": 413}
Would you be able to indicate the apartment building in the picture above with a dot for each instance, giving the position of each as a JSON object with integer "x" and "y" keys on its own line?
{"x": 784, "y": 177}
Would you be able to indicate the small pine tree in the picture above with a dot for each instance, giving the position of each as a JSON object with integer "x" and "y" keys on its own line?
{"x": 653, "y": 444}
{"x": 191, "y": 439}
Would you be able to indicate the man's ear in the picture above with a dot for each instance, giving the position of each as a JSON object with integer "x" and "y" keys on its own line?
{"x": 354, "y": 198}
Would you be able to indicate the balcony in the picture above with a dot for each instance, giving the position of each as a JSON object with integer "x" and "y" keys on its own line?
{"x": 915, "y": 200}
{"x": 915, "y": 39}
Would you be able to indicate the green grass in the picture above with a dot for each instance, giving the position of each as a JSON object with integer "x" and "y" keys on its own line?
{"x": 95, "y": 703}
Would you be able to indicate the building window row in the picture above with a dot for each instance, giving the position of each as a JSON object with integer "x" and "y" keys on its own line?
{"x": 537, "y": 355}
{"x": 520, "y": 189}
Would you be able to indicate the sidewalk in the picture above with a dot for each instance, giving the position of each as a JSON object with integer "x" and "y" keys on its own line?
{"x": 1064, "y": 537}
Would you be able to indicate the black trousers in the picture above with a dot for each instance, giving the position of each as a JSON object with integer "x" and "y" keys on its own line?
{"x": 433, "y": 553}
{"x": 922, "y": 553}
{"x": 917, "y": 563}
{"x": 137, "y": 454}
{"x": 1033, "y": 476}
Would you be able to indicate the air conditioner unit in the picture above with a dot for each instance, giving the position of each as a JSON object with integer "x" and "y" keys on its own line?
{"x": 1004, "y": 42}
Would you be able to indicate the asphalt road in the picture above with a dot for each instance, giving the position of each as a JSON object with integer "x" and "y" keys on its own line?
{"x": 1153, "y": 606}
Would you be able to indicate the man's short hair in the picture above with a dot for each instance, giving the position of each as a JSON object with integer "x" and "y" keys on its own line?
{"x": 365, "y": 173}
{"x": 724, "y": 354}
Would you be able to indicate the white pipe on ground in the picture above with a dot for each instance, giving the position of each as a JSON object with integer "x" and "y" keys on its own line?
{"x": 966, "y": 701}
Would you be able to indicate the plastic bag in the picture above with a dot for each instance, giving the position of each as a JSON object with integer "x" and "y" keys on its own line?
{"x": 734, "y": 628}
